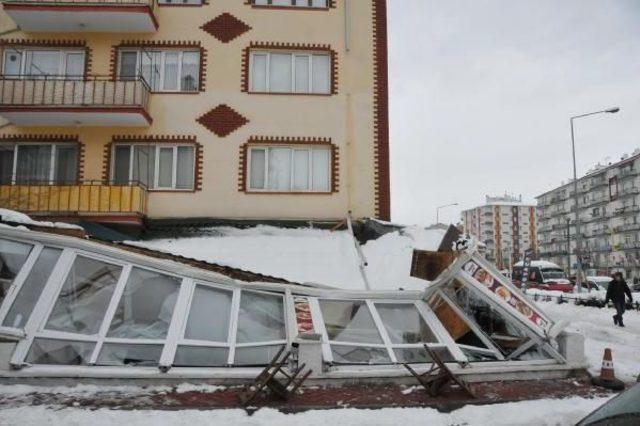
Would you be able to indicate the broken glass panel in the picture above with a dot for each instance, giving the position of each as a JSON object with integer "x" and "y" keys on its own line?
{"x": 418, "y": 355}
{"x": 255, "y": 355}
{"x": 12, "y": 257}
{"x": 349, "y": 321}
{"x": 128, "y": 354}
{"x": 359, "y": 355}
{"x": 59, "y": 352}
{"x": 32, "y": 288}
{"x": 201, "y": 325}
{"x": 261, "y": 318}
{"x": 195, "y": 356}
{"x": 404, "y": 324}
{"x": 84, "y": 297}
{"x": 146, "y": 306}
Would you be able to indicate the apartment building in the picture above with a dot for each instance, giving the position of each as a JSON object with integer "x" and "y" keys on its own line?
{"x": 123, "y": 110}
{"x": 609, "y": 220}
{"x": 507, "y": 227}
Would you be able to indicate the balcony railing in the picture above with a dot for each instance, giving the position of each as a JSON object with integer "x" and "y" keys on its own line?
{"x": 69, "y": 91}
{"x": 627, "y": 227}
{"x": 82, "y": 198}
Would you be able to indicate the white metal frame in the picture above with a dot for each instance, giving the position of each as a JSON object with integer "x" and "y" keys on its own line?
{"x": 161, "y": 67}
{"x": 292, "y": 3}
{"x": 156, "y": 163}
{"x": 26, "y": 56}
{"x": 293, "y": 90}
{"x": 52, "y": 161}
{"x": 293, "y": 148}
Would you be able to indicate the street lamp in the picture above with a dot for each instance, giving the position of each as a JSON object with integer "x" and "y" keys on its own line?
{"x": 576, "y": 198}
{"x": 441, "y": 207}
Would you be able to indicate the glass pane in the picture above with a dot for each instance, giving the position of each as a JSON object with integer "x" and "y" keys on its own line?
{"x": 84, "y": 297}
{"x": 319, "y": 3}
{"x": 171, "y": 60}
{"x": 6, "y": 163}
{"x": 66, "y": 164}
{"x": 151, "y": 68}
{"x": 12, "y": 257}
{"x": 128, "y": 64}
{"x": 12, "y": 62}
{"x": 257, "y": 168}
{"x": 301, "y": 169}
{"x": 34, "y": 164}
{"x": 257, "y": 355}
{"x": 261, "y": 318}
{"x": 359, "y": 355}
{"x": 404, "y": 323}
{"x": 321, "y": 74}
{"x": 59, "y": 352}
{"x": 75, "y": 64}
{"x": 280, "y": 169}
{"x": 32, "y": 288}
{"x": 165, "y": 171}
{"x": 184, "y": 172}
{"x": 193, "y": 356}
{"x": 417, "y": 355}
{"x": 122, "y": 163}
{"x": 146, "y": 306}
{"x": 144, "y": 159}
{"x": 258, "y": 73}
{"x": 126, "y": 354}
{"x": 349, "y": 321}
{"x": 280, "y": 72}
{"x": 321, "y": 170}
{"x": 201, "y": 325}
{"x": 189, "y": 81}
{"x": 43, "y": 62}
{"x": 302, "y": 73}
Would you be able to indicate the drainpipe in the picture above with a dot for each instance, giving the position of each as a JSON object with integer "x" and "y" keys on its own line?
{"x": 347, "y": 27}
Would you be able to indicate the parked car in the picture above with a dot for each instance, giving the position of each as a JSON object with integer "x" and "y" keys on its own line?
{"x": 543, "y": 275}
{"x": 623, "y": 410}
{"x": 597, "y": 283}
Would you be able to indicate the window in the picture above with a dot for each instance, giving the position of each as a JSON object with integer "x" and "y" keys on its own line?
{"x": 45, "y": 62}
{"x": 25, "y": 163}
{"x": 163, "y": 70}
{"x": 292, "y": 3}
{"x": 287, "y": 72}
{"x": 13, "y": 255}
{"x": 181, "y": 2}
{"x": 156, "y": 166}
{"x": 289, "y": 169}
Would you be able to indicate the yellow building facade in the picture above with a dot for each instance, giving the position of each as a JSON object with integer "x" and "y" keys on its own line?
{"x": 244, "y": 109}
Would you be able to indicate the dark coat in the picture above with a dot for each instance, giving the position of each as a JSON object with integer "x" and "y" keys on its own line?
{"x": 617, "y": 290}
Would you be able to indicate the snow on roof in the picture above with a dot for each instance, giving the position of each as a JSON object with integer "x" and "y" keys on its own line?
{"x": 539, "y": 264}
{"x": 21, "y": 218}
{"x": 308, "y": 255}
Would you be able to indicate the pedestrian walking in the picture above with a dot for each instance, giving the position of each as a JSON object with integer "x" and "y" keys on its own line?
{"x": 615, "y": 292}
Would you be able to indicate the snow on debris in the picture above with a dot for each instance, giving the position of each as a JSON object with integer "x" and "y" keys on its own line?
{"x": 308, "y": 255}
{"x": 540, "y": 412}
{"x": 17, "y": 217}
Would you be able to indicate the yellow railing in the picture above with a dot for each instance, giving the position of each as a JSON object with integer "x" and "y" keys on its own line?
{"x": 86, "y": 198}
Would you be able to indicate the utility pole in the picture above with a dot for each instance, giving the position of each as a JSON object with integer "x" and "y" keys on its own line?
{"x": 568, "y": 247}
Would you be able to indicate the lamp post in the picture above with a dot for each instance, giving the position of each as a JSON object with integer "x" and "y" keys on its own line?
{"x": 578, "y": 287}
{"x": 441, "y": 207}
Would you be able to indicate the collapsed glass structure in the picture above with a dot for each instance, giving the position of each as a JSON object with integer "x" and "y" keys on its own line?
{"x": 71, "y": 306}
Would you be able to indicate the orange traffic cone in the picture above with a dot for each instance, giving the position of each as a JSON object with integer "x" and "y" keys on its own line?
{"x": 607, "y": 377}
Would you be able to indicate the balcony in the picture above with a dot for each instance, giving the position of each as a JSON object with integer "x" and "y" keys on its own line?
{"x": 627, "y": 227}
{"x": 75, "y": 101}
{"x": 131, "y": 16}
{"x": 626, "y": 172}
{"x": 625, "y": 192}
{"x": 112, "y": 202}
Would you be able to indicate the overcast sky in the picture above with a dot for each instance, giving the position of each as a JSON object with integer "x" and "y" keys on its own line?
{"x": 481, "y": 92}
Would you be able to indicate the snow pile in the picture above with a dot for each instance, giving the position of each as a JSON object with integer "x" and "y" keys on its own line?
{"x": 17, "y": 217}
{"x": 308, "y": 255}
{"x": 599, "y": 331}
{"x": 541, "y": 412}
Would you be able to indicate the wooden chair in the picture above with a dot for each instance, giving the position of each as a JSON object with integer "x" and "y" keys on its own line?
{"x": 438, "y": 376}
{"x": 269, "y": 383}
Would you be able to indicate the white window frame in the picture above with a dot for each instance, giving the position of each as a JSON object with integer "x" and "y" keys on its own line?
{"x": 62, "y": 61}
{"x": 294, "y": 3}
{"x": 156, "y": 165}
{"x": 293, "y": 148}
{"x": 293, "y": 55}
{"x": 161, "y": 75}
{"x": 52, "y": 164}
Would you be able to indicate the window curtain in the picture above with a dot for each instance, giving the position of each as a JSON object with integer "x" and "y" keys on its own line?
{"x": 185, "y": 168}
{"x": 128, "y": 64}
{"x": 280, "y": 169}
{"x": 190, "y": 78}
{"x": 6, "y": 163}
{"x": 12, "y": 62}
{"x": 151, "y": 68}
{"x": 258, "y": 165}
{"x": 321, "y": 169}
{"x": 171, "y": 70}
{"x": 34, "y": 164}
{"x": 165, "y": 168}
{"x": 66, "y": 164}
{"x": 144, "y": 158}
{"x": 280, "y": 72}
{"x": 259, "y": 73}
{"x": 301, "y": 169}
{"x": 122, "y": 156}
{"x": 321, "y": 74}
{"x": 43, "y": 62}
{"x": 302, "y": 73}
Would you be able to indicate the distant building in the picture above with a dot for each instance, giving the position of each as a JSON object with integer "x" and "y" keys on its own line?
{"x": 506, "y": 225}
{"x": 609, "y": 218}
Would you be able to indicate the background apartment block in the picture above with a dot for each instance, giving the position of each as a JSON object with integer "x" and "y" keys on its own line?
{"x": 505, "y": 225}
{"x": 609, "y": 218}
{"x": 131, "y": 109}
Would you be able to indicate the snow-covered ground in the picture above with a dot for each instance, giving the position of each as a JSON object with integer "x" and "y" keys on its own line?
{"x": 541, "y": 412}
{"x": 309, "y": 255}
